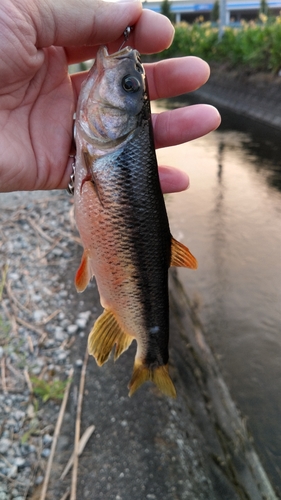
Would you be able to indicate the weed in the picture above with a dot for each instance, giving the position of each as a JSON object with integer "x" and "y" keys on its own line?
{"x": 3, "y": 279}
{"x": 48, "y": 390}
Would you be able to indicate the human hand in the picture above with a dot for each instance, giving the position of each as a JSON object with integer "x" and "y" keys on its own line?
{"x": 38, "y": 40}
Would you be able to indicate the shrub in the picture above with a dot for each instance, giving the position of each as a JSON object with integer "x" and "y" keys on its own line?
{"x": 254, "y": 45}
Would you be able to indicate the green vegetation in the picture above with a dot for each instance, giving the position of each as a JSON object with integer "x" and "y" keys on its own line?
{"x": 3, "y": 279}
{"x": 48, "y": 390}
{"x": 166, "y": 10}
{"x": 215, "y": 14}
{"x": 254, "y": 46}
{"x": 264, "y": 8}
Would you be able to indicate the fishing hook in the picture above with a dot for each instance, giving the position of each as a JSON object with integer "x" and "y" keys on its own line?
{"x": 126, "y": 34}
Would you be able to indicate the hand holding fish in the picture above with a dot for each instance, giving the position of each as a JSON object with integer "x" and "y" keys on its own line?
{"x": 38, "y": 97}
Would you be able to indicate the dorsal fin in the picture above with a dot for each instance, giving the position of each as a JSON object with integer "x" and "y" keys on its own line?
{"x": 181, "y": 256}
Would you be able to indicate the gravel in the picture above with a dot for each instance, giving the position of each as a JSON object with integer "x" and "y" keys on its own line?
{"x": 38, "y": 240}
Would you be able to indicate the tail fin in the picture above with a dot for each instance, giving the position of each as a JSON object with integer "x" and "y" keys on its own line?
{"x": 158, "y": 375}
{"x": 105, "y": 333}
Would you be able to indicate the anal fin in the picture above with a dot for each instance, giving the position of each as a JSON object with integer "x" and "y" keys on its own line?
{"x": 105, "y": 333}
{"x": 181, "y": 256}
{"x": 159, "y": 375}
{"x": 83, "y": 274}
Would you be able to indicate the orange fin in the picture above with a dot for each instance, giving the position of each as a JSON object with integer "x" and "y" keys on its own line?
{"x": 159, "y": 375}
{"x": 83, "y": 274}
{"x": 105, "y": 333}
{"x": 181, "y": 256}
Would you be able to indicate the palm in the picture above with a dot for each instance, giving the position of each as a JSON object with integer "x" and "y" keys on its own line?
{"x": 38, "y": 98}
{"x": 36, "y": 123}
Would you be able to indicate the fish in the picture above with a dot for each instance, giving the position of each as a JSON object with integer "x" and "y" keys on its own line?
{"x": 122, "y": 220}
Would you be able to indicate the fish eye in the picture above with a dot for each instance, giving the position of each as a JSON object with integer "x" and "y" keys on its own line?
{"x": 130, "y": 83}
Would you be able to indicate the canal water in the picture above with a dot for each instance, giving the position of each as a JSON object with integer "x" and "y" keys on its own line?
{"x": 230, "y": 218}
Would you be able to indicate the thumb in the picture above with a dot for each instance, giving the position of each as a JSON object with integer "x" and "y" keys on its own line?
{"x": 81, "y": 22}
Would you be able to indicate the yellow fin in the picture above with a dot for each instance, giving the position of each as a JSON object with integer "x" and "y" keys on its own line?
{"x": 83, "y": 274}
{"x": 159, "y": 375}
{"x": 105, "y": 333}
{"x": 181, "y": 256}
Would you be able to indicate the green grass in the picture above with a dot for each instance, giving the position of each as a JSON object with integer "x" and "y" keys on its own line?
{"x": 48, "y": 390}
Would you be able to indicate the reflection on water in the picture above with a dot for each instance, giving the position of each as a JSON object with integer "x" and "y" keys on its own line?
{"x": 230, "y": 219}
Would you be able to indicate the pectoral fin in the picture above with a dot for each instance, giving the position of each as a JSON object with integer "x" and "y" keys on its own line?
{"x": 105, "y": 333}
{"x": 181, "y": 256}
{"x": 83, "y": 274}
{"x": 159, "y": 375}
{"x": 89, "y": 160}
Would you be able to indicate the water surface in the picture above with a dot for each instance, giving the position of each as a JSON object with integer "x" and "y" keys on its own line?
{"x": 230, "y": 218}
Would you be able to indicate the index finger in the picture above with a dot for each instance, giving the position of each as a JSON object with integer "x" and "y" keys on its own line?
{"x": 151, "y": 33}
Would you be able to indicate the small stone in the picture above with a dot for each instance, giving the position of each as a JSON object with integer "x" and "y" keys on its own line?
{"x": 11, "y": 422}
{"x": 45, "y": 453}
{"x": 79, "y": 362}
{"x": 14, "y": 276}
{"x": 85, "y": 315}
{"x": 36, "y": 370}
{"x": 11, "y": 453}
{"x": 12, "y": 471}
{"x": 30, "y": 411}
{"x": 57, "y": 252}
{"x": 19, "y": 461}
{"x": 71, "y": 329}
{"x": 5, "y": 444}
{"x": 18, "y": 414}
{"x": 62, "y": 356}
{"x": 59, "y": 334}
{"x": 39, "y": 315}
{"x": 36, "y": 297}
{"x": 49, "y": 343}
{"x": 83, "y": 319}
{"x": 39, "y": 480}
{"x": 47, "y": 439}
{"x": 81, "y": 323}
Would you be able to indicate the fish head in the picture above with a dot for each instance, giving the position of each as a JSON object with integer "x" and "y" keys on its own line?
{"x": 113, "y": 100}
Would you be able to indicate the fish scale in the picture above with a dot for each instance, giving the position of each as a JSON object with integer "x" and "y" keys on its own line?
{"x": 122, "y": 220}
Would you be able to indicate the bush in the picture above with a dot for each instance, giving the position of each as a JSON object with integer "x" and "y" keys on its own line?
{"x": 254, "y": 45}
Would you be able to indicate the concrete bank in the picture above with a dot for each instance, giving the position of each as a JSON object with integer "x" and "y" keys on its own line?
{"x": 257, "y": 96}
